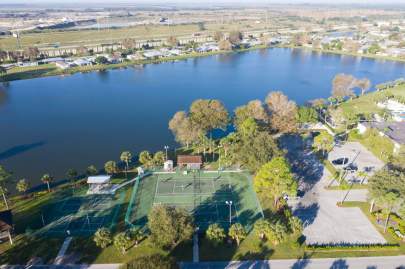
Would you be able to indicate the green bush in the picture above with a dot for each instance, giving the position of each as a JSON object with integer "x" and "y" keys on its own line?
{"x": 151, "y": 262}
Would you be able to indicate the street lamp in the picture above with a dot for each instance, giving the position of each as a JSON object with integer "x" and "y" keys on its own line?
{"x": 166, "y": 148}
{"x": 229, "y": 203}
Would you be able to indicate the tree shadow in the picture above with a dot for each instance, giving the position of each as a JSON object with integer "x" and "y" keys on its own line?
{"x": 16, "y": 150}
{"x": 339, "y": 264}
{"x": 302, "y": 262}
{"x": 304, "y": 162}
{"x": 214, "y": 209}
{"x": 307, "y": 214}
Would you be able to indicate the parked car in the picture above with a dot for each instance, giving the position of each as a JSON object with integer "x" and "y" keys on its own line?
{"x": 351, "y": 167}
{"x": 340, "y": 161}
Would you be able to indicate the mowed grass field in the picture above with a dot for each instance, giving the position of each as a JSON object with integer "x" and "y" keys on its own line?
{"x": 367, "y": 104}
{"x": 142, "y": 32}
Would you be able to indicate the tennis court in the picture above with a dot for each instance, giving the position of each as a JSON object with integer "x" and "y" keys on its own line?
{"x": 80, "y": 214}
{"x": 211, "y": 197}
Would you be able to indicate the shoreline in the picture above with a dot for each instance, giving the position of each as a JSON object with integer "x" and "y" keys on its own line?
{"x": 49, "y": 70}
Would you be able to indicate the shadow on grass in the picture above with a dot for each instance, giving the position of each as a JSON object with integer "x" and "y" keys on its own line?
{"x": 29, "y": 247}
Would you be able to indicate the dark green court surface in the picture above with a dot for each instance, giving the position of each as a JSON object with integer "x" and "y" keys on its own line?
{"x": 80, "y": 214}
{"x": 204, "y": 194}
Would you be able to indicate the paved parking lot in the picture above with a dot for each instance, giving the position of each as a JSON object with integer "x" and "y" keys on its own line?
{"x": 357, "y": 154}
{"x": 324, "y": 221}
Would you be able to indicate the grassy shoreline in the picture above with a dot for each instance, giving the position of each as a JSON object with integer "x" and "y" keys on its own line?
{"x": 48, "y": 70}
{"x": 344, "y": 53}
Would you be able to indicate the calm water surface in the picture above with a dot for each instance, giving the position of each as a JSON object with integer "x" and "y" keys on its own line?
{"x": 49, "y": 125}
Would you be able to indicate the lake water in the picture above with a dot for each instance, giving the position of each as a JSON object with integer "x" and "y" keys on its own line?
{"x": 49, "y": 125}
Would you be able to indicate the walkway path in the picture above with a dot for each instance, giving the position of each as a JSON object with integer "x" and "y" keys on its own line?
{"x": 62, "y": 251}
{"x": 393, "y": 262}
{"x": 196, "y": 257}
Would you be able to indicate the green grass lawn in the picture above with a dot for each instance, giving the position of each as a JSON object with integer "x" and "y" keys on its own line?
{"x": 367, "y": 104}
{"x": 381, "y": 146}
{"x": 94, "y": 36}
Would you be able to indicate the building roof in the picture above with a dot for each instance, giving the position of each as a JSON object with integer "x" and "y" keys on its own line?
{"x": 394, "y": 130}
{"x": 102, "y": 179}
{"x": 185, "y": 159}
{"x": 6, "y": 220}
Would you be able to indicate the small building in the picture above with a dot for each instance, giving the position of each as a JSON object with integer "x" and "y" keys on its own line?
{"x": 98, "y": 184}
{"x": 64, "y": 65}
{"x": 52, "y": 60}
{"x": 168, "y": 165}
{"x": 152, "y": 54}
{"x": 189, "y": 161}
{"x": 6, "y": 225}
{"x": 82, "y": 62}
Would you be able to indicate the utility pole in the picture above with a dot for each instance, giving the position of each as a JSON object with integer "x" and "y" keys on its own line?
{"x": 166, "y": 148}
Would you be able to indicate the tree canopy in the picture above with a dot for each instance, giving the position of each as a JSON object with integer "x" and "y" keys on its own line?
{"x": 307, "y": 115}
{"x": 208, "y": 114}
{"x": 275, "y": 179}
{"x": 184, "y": 131}
{"x": 169, "y": 226}
{"x": 254, "y": 109}
{"x": 387, "y": 188}
{"x": 283, "y": 112}
{"x": 250, "y": 146}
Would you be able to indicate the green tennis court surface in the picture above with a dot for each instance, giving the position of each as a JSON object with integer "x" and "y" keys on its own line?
{"x": 205, "y": 195}
{"x": 80, "y": 214}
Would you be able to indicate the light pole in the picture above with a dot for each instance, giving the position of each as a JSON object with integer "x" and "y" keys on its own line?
{"x": 229, "y": 203}
{"x": 219, "y": 157}
{"x": 166, "y": 148}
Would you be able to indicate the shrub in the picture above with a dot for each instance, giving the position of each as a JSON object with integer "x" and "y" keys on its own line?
{"x": 102, "y": 237}
{"x": 151, "y": 262}
{"x": 215, "y": 234}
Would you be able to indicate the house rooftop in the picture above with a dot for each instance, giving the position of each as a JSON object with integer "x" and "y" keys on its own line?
{"x": 394, "y": 130}
{"x": 189, "y": 159}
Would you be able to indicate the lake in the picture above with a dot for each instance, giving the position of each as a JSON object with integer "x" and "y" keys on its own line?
{"x": 49, "y": 125}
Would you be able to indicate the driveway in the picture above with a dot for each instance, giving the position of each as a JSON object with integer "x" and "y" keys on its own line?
{"x": 325, "y": 222}
{"x": 359, "y": 156}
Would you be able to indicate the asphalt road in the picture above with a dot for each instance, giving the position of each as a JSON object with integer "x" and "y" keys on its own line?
{"x": 392, "y": 262}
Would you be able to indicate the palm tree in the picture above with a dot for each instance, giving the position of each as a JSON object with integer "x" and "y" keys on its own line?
{"x": 110, "y": 167}
{"x": 22, "y": 186}
{"x": 126, "y": 157}
{"x": 91, "y": 170}
{"x": 387, "y": 202}
{"x": 47, "y": 179}
{"x": 71, "y": 175}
